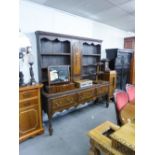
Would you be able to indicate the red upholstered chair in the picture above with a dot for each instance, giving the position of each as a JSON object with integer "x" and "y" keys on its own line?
{"x": 130, "y": 89}
{"x": 121, "y": 99}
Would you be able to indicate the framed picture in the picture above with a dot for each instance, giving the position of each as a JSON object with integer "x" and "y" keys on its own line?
{"x": 58, "y": 74}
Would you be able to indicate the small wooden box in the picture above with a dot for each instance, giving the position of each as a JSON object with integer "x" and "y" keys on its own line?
{"x": 83, "y": 83}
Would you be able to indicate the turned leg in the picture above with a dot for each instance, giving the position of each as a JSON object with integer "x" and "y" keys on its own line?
{"x": 50, "y": 129}
{"x": 96, "y": 101}
{"x": 107, "y": 100}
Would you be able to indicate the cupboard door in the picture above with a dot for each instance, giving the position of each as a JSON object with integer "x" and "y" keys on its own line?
{"x": 76, "y": 60}
{"x": 28, "y": 120}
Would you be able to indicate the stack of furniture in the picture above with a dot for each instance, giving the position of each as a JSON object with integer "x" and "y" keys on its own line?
{"x": 82, "y": 56}
{"x": 30, "y": 118}
{"x": 120, "y": 60}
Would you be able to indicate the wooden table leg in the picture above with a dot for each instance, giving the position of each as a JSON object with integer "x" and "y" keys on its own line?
{"x": 50, "y": 129}
{"x": 107, "y": 100}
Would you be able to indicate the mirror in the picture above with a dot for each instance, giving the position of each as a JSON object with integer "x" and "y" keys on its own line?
{"x": 58, "y": 74}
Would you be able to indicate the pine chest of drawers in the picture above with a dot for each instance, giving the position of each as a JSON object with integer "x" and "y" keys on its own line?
{"x": 30, "y": 119}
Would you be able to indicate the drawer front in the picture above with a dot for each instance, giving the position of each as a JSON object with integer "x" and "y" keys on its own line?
{"x": 25, "y": 104}
{"x": 102, "y": 90}
{"x": 64, "y": 102}
{"x": 28, "y": 94}
{"x": 86, "y": 95}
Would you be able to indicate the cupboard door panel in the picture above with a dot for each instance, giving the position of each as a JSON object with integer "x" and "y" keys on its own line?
{"x": 76, "y": 61}
{"x": 28, "y": 120}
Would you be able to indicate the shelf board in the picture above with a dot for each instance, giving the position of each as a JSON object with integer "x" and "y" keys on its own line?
{"x": 54, "y": 65}
{"x": 84, "y": 75}
{"x": 85, "y": 65}
{"x": 100, "y": 73}
{"x": 92, "y": 74}
{"x": 96, "y": 55}
{"x": 55, "y": 54}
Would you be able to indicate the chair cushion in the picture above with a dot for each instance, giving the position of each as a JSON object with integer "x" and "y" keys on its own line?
{"x": 121, "y": 99}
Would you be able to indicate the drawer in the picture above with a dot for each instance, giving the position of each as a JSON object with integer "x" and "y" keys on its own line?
{"x": 65, "y": 101}
{"x": 87, "y": 95}
{"x": 28, "y": 103}
{"x": 102, "y": 90}
{"x": 28, "y": 94}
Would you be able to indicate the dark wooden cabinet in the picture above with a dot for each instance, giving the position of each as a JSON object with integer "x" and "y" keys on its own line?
{"x": 30, "y": 119}
{"x": 82, "y": 55}
{"x": 130, "y": 43}
{"x": 120, "y": 60}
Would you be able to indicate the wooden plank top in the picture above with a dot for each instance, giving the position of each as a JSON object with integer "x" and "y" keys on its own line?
{"x": 28, "y": 87}
{"x": 105, "y": 83}
{"x": 125, "y": 135}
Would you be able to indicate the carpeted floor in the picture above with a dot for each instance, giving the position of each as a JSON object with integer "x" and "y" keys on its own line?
{"x": 70, "y": 131}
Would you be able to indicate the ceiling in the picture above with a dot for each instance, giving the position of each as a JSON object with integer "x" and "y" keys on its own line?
{"x": 117, "y": 13}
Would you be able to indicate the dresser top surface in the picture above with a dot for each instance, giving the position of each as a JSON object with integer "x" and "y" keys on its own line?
{"x": 29, "y": 87}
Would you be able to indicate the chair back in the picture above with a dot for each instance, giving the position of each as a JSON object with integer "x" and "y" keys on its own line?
{"x": 130, "y": 89}
{"x": 121, "y": 99}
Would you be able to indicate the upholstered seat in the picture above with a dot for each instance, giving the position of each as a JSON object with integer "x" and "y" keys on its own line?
{"x": 130, "y": 89}
{"x": 121, "y": 99}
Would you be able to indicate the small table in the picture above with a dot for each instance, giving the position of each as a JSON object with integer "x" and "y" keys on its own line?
{"x": 100, "y": 141}
{"x": 112, "y": 139}
{"x": 124, "y": 139}
{"x": 127, "y": 114}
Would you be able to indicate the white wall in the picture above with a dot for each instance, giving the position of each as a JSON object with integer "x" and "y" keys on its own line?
{"x": 35, "y": 17}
